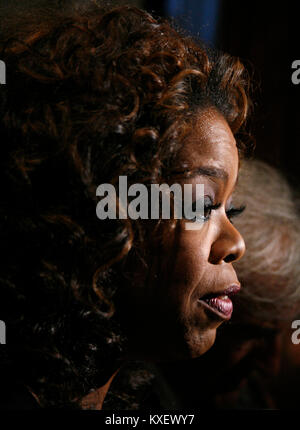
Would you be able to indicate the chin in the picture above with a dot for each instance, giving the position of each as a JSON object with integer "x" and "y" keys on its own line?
{"x": 200, "y": 341}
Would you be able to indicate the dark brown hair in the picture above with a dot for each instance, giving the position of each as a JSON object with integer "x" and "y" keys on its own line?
{"x": 92, "y": 93}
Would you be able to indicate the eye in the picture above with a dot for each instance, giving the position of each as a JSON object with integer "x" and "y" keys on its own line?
{"x": 234, "y": 212}
{"x": 208, "y": 207}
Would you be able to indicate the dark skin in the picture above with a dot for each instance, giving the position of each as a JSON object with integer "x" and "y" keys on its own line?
{"x": 167, "y": 320}
{"x": 162, "y": 315}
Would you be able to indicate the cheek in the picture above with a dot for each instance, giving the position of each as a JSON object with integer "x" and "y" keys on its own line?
{"x": 187, "y": 268}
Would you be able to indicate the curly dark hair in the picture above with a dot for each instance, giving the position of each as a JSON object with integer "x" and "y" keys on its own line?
{"x": 92, "y": 93}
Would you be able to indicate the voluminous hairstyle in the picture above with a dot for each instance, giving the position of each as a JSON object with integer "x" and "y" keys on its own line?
{"x": 92, "y": 93}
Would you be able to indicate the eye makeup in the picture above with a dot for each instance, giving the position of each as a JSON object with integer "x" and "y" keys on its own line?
{"x": 232, "y": 212}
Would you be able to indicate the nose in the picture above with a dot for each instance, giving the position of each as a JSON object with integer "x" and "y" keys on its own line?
{"x": 229, "y": 245}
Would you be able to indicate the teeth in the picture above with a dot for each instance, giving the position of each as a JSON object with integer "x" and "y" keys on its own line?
{"x": 222, "y": 297}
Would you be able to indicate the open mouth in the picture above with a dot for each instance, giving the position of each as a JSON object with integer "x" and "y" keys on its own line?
{"x": 220, "y": 303}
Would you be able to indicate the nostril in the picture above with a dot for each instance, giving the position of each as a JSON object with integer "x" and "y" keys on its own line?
{"x": 229, "y": 258}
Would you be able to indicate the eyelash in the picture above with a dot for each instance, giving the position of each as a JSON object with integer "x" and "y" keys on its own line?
{"x": 234, "y": 212}
{"x": 231, "y": 213}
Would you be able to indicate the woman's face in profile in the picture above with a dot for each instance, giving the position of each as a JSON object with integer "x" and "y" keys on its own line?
{"x": 174, "y": 311}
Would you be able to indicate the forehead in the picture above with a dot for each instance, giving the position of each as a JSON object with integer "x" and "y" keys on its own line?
{"x": 211, "y": 142}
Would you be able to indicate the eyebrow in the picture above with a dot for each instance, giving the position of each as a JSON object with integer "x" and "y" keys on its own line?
{"x": 214, "y": 172}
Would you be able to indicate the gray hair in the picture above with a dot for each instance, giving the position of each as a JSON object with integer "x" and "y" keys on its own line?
{"x": 270, "y": 269}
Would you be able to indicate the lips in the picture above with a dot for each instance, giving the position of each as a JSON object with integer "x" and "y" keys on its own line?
{"x": 220, "y": 302}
